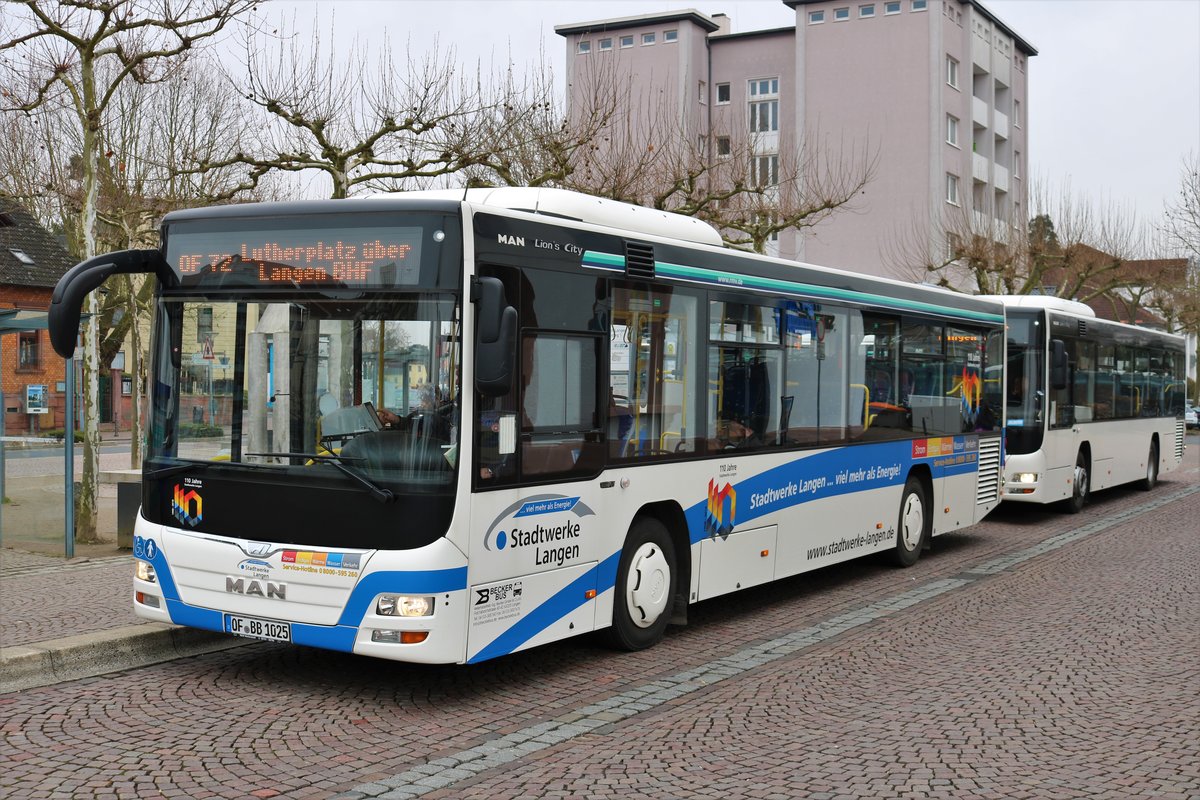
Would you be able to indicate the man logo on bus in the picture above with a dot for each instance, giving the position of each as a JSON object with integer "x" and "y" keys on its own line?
{"x": 181, "y": 506}
{"x": 714, "y": 516}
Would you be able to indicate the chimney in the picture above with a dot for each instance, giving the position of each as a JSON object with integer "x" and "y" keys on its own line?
{"x": 726, "y": 24}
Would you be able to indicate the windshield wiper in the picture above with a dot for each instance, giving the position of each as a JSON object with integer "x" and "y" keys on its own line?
{"x": 166, "y": 472}
{"x": 378, "y": 492}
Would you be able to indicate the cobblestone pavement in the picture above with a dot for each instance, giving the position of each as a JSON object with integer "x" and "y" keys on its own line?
{"x": 1034, "y": 655}
{"x": 42, "y": 597}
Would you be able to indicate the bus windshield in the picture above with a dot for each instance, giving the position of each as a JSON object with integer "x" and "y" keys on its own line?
{"x": 361, "y": 395}
{"x": 1025, "y": 392}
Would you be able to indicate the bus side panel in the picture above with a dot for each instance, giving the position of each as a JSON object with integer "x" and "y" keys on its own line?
{"x": 515, "y": 614}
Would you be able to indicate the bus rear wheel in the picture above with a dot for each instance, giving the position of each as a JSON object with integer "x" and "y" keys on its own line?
{"x": 645, "y": 587}
{"x": 1151, "y": 479}
{"x": 912, "y": 528}
{"x": 1081, "y": 484}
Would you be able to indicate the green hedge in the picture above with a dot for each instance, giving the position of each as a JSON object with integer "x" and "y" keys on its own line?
{"x": 199, "y": 430}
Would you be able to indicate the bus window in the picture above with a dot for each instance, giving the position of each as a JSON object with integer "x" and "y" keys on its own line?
{"x": 877, "y": 390}
{"x": 653, "y": 366}
{"x": 561, "y": 421}
{"x": 745, "y": 371}
{"x": 964, "y": 377}
{"x": 831, "y": 375}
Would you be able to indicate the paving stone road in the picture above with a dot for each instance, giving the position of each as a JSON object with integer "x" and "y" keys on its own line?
{"x": 1035, "y": 655}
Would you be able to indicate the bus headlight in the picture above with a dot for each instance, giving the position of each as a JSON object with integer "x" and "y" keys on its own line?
{"x": 144, "y": 572}
{"x": 393, "y": 605}
{"x": 1025, "y": 477}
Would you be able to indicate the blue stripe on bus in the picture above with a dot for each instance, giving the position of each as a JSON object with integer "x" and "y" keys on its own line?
{"x": 601, "y": 577}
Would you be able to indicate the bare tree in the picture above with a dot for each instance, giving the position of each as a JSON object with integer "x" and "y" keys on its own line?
{"x": 77, "y": 56}
{"x": 1071, "y": 247}
{"x": 360, "y": 122}
{"x": 619, "y": 140}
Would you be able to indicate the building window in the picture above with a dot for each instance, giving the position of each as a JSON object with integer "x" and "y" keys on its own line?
{"x": 722, "y": 93}
{"x": 892, "y": 7}
{"x": 952, "y": 71}
{"x": 647, "y": 38}
{"x": 919, "y": 5}
{"x": 22, "y": 256}
{"x": 626, "y": 41}
{"x": 764, "y": 116}
{"x": 703, "y": 93}
{"x": 952, "y": 130}
{"x": 816, "y": 17}
{"x": 28, "y": 351}
{"x": 671, "y": 36}
{"x": 1016, "y": 163}
{"x": 764, "y": 170}
{"x": 723, "y": 145}
{"x": 762, "y": 87}
{"x": 606, "y": 44}
{"x": 585, "y": 47}
{"x": 866, "y": 11}
{"x": 840, "y": 14}
{"x": 1016, "y": 113}
{"x": 951, "y": 189}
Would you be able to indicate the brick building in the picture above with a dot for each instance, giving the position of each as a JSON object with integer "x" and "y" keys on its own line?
{"x": 31, "y": 262}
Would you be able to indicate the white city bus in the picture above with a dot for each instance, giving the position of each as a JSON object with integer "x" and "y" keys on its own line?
{"x": 443, "y": 427}
{"x": 1090, "y": 403}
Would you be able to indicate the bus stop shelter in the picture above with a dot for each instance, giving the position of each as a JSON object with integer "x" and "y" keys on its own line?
{"x": 16, "y": 320}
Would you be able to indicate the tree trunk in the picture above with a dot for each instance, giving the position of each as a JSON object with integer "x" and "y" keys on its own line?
{"x": 86, "y": 503}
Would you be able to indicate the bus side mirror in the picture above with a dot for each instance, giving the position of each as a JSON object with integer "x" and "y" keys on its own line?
{"x": 1058, "y": 365}
{"x": 67, "y": 300}
{"x": 495, "y": 337}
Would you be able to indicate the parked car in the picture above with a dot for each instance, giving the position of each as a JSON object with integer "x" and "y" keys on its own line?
{"x": 1191, "y": 416}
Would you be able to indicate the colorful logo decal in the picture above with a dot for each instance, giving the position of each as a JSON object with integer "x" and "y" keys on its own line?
{"x": 330, "y": 560}
{"x": 181, "y": 506}
{"x": 714, "y": 517}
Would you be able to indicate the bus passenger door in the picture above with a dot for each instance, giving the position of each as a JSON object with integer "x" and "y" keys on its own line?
{"x": 535, "y": 531}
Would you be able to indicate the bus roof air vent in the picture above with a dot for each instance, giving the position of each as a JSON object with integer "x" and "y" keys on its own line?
{"x": 639, "y": 260}
{"x": 1083, "y": 327}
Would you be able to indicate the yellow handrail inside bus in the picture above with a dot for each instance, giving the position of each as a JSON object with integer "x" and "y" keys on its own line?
{"x": 868, "y": 417}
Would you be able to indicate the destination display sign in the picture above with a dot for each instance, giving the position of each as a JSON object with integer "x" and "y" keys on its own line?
{"x": 350, "y": 257}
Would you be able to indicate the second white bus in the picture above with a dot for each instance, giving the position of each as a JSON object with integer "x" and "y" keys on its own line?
{"x": 1091, "y": 403}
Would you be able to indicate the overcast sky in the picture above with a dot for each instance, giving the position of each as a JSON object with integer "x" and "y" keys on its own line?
{"x": 1114, "y": 100}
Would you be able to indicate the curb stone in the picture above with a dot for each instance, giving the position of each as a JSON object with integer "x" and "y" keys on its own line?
{"x": 91, "y": 654}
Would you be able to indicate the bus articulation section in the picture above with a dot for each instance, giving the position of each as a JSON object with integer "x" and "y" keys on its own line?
{"x": 442, "y": 428}
{"x": 1091, "y": 403}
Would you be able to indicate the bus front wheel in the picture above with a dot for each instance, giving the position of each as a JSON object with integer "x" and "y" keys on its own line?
{"x": 912, "y": 529}
{"x": 1081, "y": 484}
{"x": 1151, "y": 479}
{"x": 645, "y": 587}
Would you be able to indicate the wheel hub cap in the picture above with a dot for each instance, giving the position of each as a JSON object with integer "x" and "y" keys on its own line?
{"x": 647, "y": 585}
{"x": 913, "y": 522}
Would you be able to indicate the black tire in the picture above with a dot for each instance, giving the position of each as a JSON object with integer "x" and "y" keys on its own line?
{"x": 645, "y": 590}
{"x": 1151, "y": 480}
{"x": 913, "y": 525}
{"x": 1081, "y": 486}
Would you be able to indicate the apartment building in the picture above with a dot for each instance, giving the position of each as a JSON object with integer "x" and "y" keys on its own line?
{"x": 934, "y": 90}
